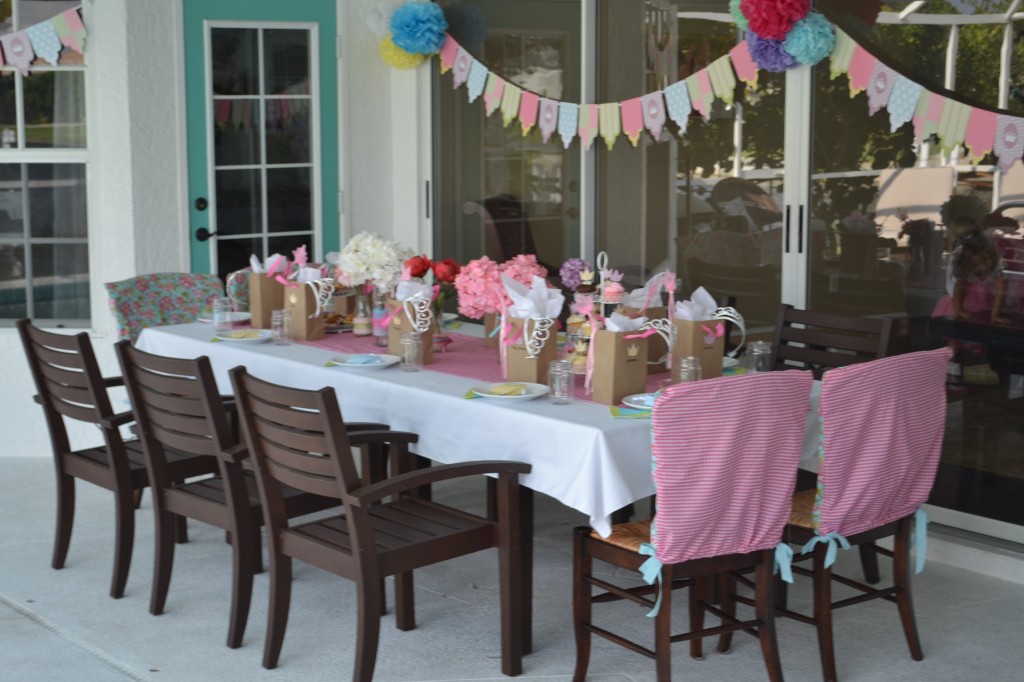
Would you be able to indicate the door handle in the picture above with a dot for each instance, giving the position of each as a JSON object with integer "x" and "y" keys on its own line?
{"x": 573, "y": 213}
{"x": 202, "y": 234}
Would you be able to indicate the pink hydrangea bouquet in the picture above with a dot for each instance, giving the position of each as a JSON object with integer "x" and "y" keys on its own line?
{"x": 523, "y": 268}
{"x": 480, "y": 289}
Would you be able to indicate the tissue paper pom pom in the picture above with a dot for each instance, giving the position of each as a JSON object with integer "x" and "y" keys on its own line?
{"x": 378, "y": 19}
{"x": 737, "y": 15}
{"x": 773, "y": 18}
{"x": 419, "y": 27}
{"x": 467, "y": 24}
{"x": 811, "y": 40}
{"x": 770, "y": 55}
{"x": 397, "y": 57}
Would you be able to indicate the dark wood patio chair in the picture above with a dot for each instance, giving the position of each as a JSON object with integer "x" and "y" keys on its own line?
{"x": 878, "y": 467}
{"x": 723, "y": 500}
{"x": 298, "y": 438}
{"x": 177, "y": 409}
{"x": 820, "y": 341}
{"x": 70, "y": 386}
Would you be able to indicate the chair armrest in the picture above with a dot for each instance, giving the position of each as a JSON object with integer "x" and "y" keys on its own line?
{"x": 352, "y": 427}
{"x": 119, "y": 419}
{"x": 367, "y": 495}
{"x": 370, "y": 437}
{"x": 111, "y": 382}
{"x": 236, "y": 454}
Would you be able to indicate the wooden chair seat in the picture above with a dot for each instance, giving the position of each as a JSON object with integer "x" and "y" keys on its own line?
{"x": 627, "y": 535}
{"x": 802, "y": 513}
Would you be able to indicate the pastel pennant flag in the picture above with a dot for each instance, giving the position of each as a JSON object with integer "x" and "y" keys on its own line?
{"x": 45, "y": 41}
{"x": 701, "y": 93}
{"x": 476, "y": 80}
{"x": 510, "y": 103}
{"x": 610, "y": 123}
{"x": 70, "y": 29}
{"x": 632, "y": 117}
{"x": 981, "y": 133}
{"x": 883, "y": 79}
{"x": 460, "y": 69}
{"x": 743, "y": 64}
{"x": 588, "y": 125}
{"x": 568, "y": 118}
{"x": 18, "y": 50}
{"x": 862, "y": 65}
{"x": 493, "y": 92}
{"x": 723, "y": 80}
{"x": 926, "y": 118}
{"x": 548, "y": 117}
{"x": 529, "y": 104}
{"x": 842, "y": 54}
{"x": 1009, "y": 141}
{"x": 677, "y": 100}
{"x": 654, "y": 113}
{"x": 903, "y": 101}
{"x": 953, "y": 124}
{"x": 449, "y": 50}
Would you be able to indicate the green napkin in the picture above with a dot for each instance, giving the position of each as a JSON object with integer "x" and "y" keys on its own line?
{"x": 470, "y": 395}
{"x": 216, "y": 340}
{"x": 628, "y": 413}
{"x": 331, "y": 363}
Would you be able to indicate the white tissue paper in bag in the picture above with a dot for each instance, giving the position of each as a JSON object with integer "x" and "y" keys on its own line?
{"x": 701, "y": 306}
{"x": 305, "y": 275}
{"x": 409, "y": 289}
{"x": 621, "y": 323}
{"x": 537, "y": 301}
{"x": 647, "y": 295}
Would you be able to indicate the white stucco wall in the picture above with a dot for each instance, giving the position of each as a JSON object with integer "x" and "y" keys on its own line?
{"x": 137, "y": 193}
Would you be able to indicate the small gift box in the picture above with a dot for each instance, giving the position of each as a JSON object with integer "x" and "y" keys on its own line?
{"x": 619, "y": 359}
{"x": 698, "y": 334}
{"x": 266, "y": 295}
{"x": 410, "y": 311}
{"x": 306, "y": 304}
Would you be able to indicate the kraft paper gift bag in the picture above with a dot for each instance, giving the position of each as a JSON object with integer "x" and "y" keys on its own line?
{"x": 307, "y": 320}
{"x": 620, "y": 365}
{"x": 702, "y": 339}
{"x": 656, "y": 346}
{"x": 521, "y": 365}
{"x": 400, "y": 324}
{"x": 266, "y": 295}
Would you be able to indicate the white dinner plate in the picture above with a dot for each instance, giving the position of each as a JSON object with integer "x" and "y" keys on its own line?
{"x": 532, "y": 391}
{"x": 640, "y": 401}
{"x": 207, "y": 317}
{"x": 365, "y": 360}
{"x": 246, "y": 336}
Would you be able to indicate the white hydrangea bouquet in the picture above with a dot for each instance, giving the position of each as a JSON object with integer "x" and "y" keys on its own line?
{"x": 370, "y": 259}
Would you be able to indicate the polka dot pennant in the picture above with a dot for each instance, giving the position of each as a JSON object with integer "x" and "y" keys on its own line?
{"x": 568, "y": 117}
{"x": 677, "y": 100}
{"x": 903, "y": 101}
{"x": 476, "y": 80}
{"x": 45, "y": 41}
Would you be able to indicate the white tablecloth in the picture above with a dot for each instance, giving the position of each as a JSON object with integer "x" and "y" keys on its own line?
{"x": 580, "y": 455}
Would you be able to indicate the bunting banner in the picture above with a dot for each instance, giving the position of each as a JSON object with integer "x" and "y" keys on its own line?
{"x": 588, "y": 124}
{"x": 654, "y": 114}
{"x": 677, "y": 99}
{"x": 476, "y": 80}
{"x": 701, "y": 92}
{"x": 529, "y": 103}
{"x": 880, "y": 86}
{"x": 548, "y": 117}
{"x": 70, "y": 29}
{"x": 510, "y": 103}
{"x": 568, "y": 120}
{"x": 631, "y": 113}
{"x": 903, "y": 102}
{"x": 449, "y": 50}
{"x": 723, "y": 80}
{"x": 493, "y": 92}
{"x": 1009, "y": 142}
{"x": 609, "y": 123}
{"x": 744, "y": 65}
{"x": 47, "y": 39}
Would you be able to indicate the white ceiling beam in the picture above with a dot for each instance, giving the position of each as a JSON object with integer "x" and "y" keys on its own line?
{"x": 911, "y": 8}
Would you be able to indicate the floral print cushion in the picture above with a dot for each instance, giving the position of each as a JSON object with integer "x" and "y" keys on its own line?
{"x": 164, "y": 298}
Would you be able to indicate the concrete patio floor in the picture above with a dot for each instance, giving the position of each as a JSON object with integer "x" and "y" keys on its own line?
{"x": 61, "y": 625}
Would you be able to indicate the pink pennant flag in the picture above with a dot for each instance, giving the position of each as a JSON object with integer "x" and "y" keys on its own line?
{"x": 548, "y": 117}
{"x": 632, "y": 116}
{"x": 981, "y": 132}
{"x": 1009, "y": 141}
{"x": 588, "y": 124}
{"x": 449, "y": 50}
{"x": 71, "y": 30}
{"x": 883, "y": 80}
{"x": 929, "y": 111}
{"x": 460, "y": 69}
{"x": 862, "y": 65}
{"x": 654, "y": 113}
{"x": 493, "y": 92}
{"x": 529, "y": 103}
{"x": 743, "y": 64}
{"x": 18, "y": 50}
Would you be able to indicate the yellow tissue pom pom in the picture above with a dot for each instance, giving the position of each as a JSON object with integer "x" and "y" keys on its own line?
{"x": 397, "y": 57}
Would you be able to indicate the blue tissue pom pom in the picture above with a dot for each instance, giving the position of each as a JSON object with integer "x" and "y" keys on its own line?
{"x": 811, "y": 39}
{"x": 419, "y": 27}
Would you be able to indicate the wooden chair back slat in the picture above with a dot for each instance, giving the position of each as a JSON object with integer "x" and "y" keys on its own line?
{"x": 181, "y": 405}
{"x": 178, "y": 423}
{"x": 193, "y": 444}
{"x": 302, "y": 480}
{"x": 81, "y": 397}
{"x": 50, "y": 353}
{"x": 296, "y": 418}
{"x": 66, "y": 377}
{"x": 318, "y": 466}
{"x": 306, "y": 441}
{"x": 168, "y": 384}
{"x": 826, "y": 340}
{"x": 73, "y": 411}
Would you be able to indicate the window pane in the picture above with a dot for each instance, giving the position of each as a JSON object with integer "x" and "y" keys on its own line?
{"x": 57, "y": 200}
{"x": 8, "y": 111}
{"x": 239, "y": 202}
{"x": 287, "y": 61}
{"x": 60, "y": 281}
{"x": 12, "y": 281}
{"x": 236, "y": 135}
{"x": 55, "y": 109}
{"x": 979, "y": 53}
{"x": 288, "y": 131}
{"x": 235, "y": 61}
{"x": 12, "y": 201}
{"x": 233, "y": 253}
{"x": 289, "y": 198}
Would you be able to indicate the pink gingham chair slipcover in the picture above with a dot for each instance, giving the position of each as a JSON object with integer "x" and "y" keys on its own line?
{"x": 882, "y": 429}
{"x": 726, "y": 452}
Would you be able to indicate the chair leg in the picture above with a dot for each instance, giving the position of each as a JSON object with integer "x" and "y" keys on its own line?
{"x": 124, "y": 539}
{"x": 582, "y": 607}
{"x": 243, "y": 559}
{"x": 765, "y": 608}
{"x": 663, "y": 629}
{"x": 277, "y": 614}
{"x": 823, "y": 613}
{"x": 697, "y": 592}
{"x": 727, "y": 602}
{"x": 368, "y": 623}
{"x": 163, "y": 559}
{"x": 180, "y": 529}
{"x": 904, "y": 598}
{"x": 65, "y": 519}
{"x": 869, "y": 562}
{"x": 405, "y": 602}
{"x": 137, "y": 497}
